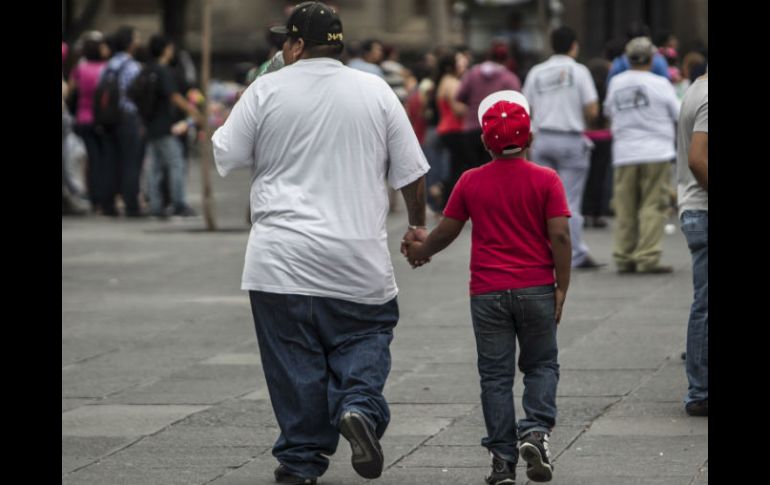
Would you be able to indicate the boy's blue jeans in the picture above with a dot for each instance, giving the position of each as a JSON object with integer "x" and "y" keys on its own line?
{"x": 322, "y": 357}
{"x": 499, "y": 319}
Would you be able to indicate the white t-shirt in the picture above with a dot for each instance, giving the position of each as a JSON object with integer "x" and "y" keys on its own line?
{"x": 643, "y": 108}
{"x": 558, "y": 90}
{"x": 322, "y": 140}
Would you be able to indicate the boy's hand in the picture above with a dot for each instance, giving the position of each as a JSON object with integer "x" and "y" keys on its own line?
{"x": 560, "y": 295}
{"x": 414, "y": 254}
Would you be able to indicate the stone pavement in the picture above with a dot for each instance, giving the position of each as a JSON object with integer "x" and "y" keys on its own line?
{"x": 162, "y": 384}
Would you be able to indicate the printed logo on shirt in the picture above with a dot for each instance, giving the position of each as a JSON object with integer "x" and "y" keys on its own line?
{"x": 554, "y": 78}
{"x": 634, "y": 97}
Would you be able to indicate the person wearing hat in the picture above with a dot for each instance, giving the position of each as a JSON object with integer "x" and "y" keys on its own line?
{"x": 323, "y": 142}
{"x": 643, "y": 111}
{"x": 520, "y": 272}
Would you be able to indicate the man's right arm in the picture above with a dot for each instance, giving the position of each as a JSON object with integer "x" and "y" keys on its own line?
{"x": 698, "y": 158}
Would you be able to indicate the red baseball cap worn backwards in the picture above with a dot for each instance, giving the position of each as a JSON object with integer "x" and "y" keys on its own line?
{"x": 505, "y": 124}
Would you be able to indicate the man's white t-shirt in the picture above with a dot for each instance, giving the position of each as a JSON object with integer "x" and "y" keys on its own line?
{"x": 323, "y": 141}
{"x": 643, "y": 108}
{"x": 558, "y": 91}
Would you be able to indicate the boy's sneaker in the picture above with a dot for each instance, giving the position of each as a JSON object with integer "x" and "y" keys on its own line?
{"x": 535, "y": 451}
{"x": 367, "y": 459}
{"x": 283, "y": 475}
{"x": 503, "y": 472}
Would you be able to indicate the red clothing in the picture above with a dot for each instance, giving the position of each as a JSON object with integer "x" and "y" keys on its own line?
{"x": 449, "y": 122}
{"x": 509, "y": 203}
{"x": 414, "y": 108}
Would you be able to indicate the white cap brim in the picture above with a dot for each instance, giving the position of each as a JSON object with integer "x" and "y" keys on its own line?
{"x": 509, "y": 95}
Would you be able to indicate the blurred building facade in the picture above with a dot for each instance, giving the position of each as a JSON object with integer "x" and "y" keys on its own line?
{"x": 239, "y": 26}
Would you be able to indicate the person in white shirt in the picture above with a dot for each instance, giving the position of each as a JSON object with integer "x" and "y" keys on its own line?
{"x": 643, "y": 109}
{"x": 563, "y": 97}
{"x": 323, "y": 141}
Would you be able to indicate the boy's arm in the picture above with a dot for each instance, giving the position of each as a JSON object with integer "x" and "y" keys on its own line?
{"x": 439, "y": 238}
{"x": 561, "y": 247}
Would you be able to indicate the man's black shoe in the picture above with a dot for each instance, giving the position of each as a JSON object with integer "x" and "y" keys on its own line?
{"x": 698, "y": 408}
{"x": 503, "y": 472}
{"x": 367, "y": 459}
{"x": 534, "y": 449}
{"x": 283, "y": 475}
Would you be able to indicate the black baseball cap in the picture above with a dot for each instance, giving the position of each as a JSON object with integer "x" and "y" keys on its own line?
{"x": 313, "y": 21}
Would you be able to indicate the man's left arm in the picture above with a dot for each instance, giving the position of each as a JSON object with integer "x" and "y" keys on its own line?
{"x": 407, "y": 167}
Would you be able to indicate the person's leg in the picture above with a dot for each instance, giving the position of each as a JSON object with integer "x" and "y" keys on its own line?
{"x": 626, "y": 204}
{"x": 356, "y": 340}
{"x": 695, "y": 229}
{"x": 155, "y": 177}
{"x": 172, "y": 152}
{"x": 131, "y": 153}
{"x": 655, "y": 200}
{"x": 538, "y": 360}
{"x": 538, "y": 356}
{"x": 573, "y": 166}
{"x": 108, "y": 185}
{"x": 495, "y": 334}
{"x": 594, "y": 193}
{"x": 295, "y": 367}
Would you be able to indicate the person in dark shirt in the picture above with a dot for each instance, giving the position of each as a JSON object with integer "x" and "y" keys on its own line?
{"x": 165, "y": 148}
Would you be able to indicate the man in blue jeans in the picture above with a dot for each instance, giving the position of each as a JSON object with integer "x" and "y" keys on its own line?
{"x": 158, "y": 116}
{"x": 520, "y": 269}
{"x": 323, "y": 141}
{"x": 692, "y": 194}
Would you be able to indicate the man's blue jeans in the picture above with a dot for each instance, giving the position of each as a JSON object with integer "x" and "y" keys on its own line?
{"x": 322, "y": 357}
{"x": 499, "y": 318}
{"x": 695, "y": 226}
{"x": 166, "y": 153}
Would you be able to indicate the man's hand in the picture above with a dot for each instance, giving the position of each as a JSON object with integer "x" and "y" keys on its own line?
{"x": 412, "y": 234}
{"x": 559, "y": 295}
{"x": 415, "y": 256}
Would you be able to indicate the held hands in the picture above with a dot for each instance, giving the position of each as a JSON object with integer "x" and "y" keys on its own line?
{"x": 411, "y": 245}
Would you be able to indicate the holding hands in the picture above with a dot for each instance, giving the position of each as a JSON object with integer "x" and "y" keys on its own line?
{"x": 411, "y": 243}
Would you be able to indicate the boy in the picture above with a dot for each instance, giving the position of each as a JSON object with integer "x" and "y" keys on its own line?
{"x": 520, "y": 240}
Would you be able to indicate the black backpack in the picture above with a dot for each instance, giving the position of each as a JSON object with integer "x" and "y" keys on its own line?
{"x": 145, "y": 92}
{"x": 107, "y": 98}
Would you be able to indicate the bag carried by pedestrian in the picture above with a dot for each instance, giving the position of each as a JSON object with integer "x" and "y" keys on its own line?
{"x": 107, "y": 98}
{"x": 145, "y": 92}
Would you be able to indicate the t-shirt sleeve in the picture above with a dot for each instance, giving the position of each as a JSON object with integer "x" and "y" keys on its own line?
{"x": 702, "y": 117}
{"x": 234, "y": 141}
{"x": 455, "y": 206}
{"x": 556, "y": 201}
{"x": 407, "y": 161}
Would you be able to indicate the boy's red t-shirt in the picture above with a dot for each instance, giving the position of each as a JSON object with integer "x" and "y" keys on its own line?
{"x": 509, "y": 203}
